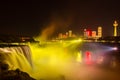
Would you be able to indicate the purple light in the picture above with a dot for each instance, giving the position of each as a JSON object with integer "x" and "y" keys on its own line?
{"x": 115, "y": 48}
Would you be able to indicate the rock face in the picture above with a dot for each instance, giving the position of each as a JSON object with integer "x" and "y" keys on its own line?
{"x": 6, "y": 74}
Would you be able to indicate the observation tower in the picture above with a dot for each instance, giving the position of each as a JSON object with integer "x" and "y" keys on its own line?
{"x": 115, "y": 24}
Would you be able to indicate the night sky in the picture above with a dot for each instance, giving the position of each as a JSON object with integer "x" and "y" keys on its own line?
{"x": 31, "y": 18}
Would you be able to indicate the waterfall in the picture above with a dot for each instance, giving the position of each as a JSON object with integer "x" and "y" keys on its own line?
{"x": 17, "y": 57}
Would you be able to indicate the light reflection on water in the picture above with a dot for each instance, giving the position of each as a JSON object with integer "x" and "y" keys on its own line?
{"x": 58, "y": 61}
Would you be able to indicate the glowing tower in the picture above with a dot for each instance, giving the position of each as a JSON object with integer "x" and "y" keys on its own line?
{"x": 115, "y": 24}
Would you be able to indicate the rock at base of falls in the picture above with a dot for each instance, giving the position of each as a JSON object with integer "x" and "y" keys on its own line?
{"x": 6, "y": 74}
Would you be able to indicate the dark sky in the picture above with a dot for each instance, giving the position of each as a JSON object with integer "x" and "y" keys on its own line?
{"x": 31, "y": 17}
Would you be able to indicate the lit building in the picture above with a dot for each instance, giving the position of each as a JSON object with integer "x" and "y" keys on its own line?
{"x": 85, "y": 33}
{"x": 70, "y": 33}
{"x": 99, "y": 31}
{"x": 60, "y": 36}
{"x": 93, "y": 34}
{"x": 115, "y": 24}
{"x": 89, "y": 33}
{"x": 66, "y": 34}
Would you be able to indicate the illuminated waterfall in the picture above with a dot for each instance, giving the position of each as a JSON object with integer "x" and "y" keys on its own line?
{"x": 17, "y": 57}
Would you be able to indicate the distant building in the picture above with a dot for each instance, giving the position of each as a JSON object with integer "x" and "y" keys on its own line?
{"x": 93, "y": 34}
{"x": 66, "y": 34}
{"x": 60, "y": 35}
{"x": 70, "y": 33}
{"x": 99, "y": 31}
{"x": 85, "y": 33}
{"x": 89, "y": 33}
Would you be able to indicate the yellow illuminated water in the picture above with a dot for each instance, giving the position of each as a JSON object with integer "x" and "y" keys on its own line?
{"x": 48, "y": 60}
{"x": 51, "y": 60}
{"x": 15, "y": 58}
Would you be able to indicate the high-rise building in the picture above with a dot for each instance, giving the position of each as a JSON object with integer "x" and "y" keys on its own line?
{"x": 115, "y": 24}
{"x": 99, "y": 31}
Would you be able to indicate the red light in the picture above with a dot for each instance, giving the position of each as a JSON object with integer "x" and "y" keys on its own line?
{"x": 88, "y": 57}
{"x": 89, "y": 33}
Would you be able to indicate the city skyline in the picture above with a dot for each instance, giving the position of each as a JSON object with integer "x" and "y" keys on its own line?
{"x": 86, "y": 34}
{"x": 89, "y": 33}
{"x": 32, "y": 18}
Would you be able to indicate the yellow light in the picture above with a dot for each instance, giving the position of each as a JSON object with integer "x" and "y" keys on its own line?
{"x": 50, "y": 58}
{"x": 79, "y": 57}
{"x": 80, "y": 40}
{"x": 76, "y": 41}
